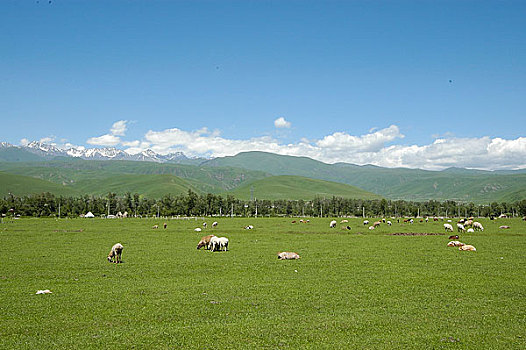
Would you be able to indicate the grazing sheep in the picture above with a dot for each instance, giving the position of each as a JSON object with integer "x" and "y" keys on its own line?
{"x": 218, "y": 243}
{"x": 461, "y": 228}
{"x": 347, "y": 227}
{"x": 461, "y": 221}
{"x": 371, "y": 227}
{"x": 383, "y": 220}
{"x": 333, "y": 224}
{"x": 249, "y": 227}
{"x": 468, "y": 223}
{"x": 411, "y": 221}
{"x": 197, "y": 229}
{"x": 288, "y": 256}
{"x": 293, "y": 221}
{"x": 478, "y": 226}
{"x": 205, "y": 242}
{"x": 204, "y": 224}
{"x": 214, "y": 224}
{"x": 448, "y": 227}
{"x": 455, "y": 244}
{"x": 504, "y": 227}
{"x": 470, "y": 230}
{"x": 155, "y": 226}
{"x": 376, "y": 224}
{"x": 453, "y": 237}
{"x": 115, "y": 254}
{"x": 389, "y": 223}
{"x": 344, "y": 221}
{"x": 468, "y": 247}
{"x": 165, "y": 225}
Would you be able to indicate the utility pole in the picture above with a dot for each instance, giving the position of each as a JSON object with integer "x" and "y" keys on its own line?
{"x": 59, "y": 210}
{"x": 232, "y": 211}
{"x": 363, "y": 212}
{"x": 256, "y": 207}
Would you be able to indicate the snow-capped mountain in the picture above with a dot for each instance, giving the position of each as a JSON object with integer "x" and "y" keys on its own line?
{"x": 108, "y": 153}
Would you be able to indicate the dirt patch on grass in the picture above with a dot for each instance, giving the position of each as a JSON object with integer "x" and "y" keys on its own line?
{"x": 415, "y": 234}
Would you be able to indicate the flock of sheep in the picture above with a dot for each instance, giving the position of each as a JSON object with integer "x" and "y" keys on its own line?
{"x": 214, "y": 243}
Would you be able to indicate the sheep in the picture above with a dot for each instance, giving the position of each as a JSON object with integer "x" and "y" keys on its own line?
{"x": 461, "y": 228}
{"x": 218, "y": 243}
{"x": 155, "y": 226}
{"x": 376, "y": 224}
{"x": 411, "y": 221}
{"x": 293, "y": 222}
{"x": 455, "y": 244}
{"x": 347, "y": 227}
{"x": 467, "y": 247}
{"x": 165, "y": 225}
{"x": 478, "y": 226}
{"x": 366, "y": 222}
{"x": 115, "y": 254}
{"x": 288, "y": 256}
{"x": 461, "y": 221}
{"x": 470, "y": 230}
{"x": 371, "y": 227}
{"x": 249, "y": 227}
{"x": 389, "y": 223}
{"x": 205, "y": 242}
{"x": 448, "y": 227}
{"x": 344, "y": 221}
{"x": 197, "y": 229}
{"x": 214, "y": 224}
{"x": 453, "y": 237}
{"x": 504, "y": 227}
{"x": 468, "y": 223}
{"x": 204, "y": 224}
{"x": 333, "y": 224}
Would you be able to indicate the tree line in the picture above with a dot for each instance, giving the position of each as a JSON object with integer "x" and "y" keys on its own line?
{"x": 193, "y": 204}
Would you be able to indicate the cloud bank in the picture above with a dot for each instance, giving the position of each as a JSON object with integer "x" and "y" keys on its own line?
{"x": 112, "y": 139}
{"x": 376, "y": 147}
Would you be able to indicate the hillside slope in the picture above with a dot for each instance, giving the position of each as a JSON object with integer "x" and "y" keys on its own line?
{"x": 298, "y": 187}
{"x": 20, "y": 185}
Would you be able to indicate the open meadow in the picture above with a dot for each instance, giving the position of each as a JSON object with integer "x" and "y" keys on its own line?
{"x": 351, "y": 288}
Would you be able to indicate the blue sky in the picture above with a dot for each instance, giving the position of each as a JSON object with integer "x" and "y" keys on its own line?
{"x": 426, "y": 84}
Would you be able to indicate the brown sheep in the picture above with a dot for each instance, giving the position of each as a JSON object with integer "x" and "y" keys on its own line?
{"x": 205, "y": 242}
{"x": 453, "y": 237}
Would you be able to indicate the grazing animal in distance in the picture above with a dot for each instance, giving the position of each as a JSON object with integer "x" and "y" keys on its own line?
{"x": 165, "y": 225}
{"x": 448, "y": 227}
{"x": 115, "y": 254}
{"x": 214, "y": 224}
{"x": 155, "y": 226}
{"x": 197, "y": 229}
{"x": 504, "y": 227}
{"x": 461, "y": 228}
{"x": 333, "y": 224}
{"x": 478, "y": 226}
{"x": 455, "y": 244}
{"x": 453, "y": 237}
{"x": 376, "y": 224}
{"x": 470, "y": 230}
{"x": 467, "y": 247}
{"x": 288, "y": 256}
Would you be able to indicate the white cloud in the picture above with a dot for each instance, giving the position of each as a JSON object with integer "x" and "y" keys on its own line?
{"x": 104, "y": 140}
{"x": 119, "y": 128}
{"x": 48, "y": 140}
{"x": 24, "y": 142}
{"x": 373, "y": 148}
{"x": 282, "y": 123}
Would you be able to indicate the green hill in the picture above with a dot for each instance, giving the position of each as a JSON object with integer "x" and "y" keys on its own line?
{"x": 394, "y": 183}
{"x": 152, "y": 186}
{"x": 20, "y": 185}
{"x": 14, "y": 154}
{"x": 298, "y": 187}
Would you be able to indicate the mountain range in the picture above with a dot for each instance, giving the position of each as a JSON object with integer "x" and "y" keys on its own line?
{"x": 265, "y": 175}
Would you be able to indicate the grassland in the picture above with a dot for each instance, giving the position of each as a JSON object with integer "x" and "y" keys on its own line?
{"x": 356, "y": 289}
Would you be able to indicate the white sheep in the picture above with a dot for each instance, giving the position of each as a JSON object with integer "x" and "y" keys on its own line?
{"x": 470, "y": 230}
{"x": 448, "y": 227}
{"x": 214, "y": 224}
{"x": 366, "y": 222}
{"x": 288, "y": 256}
{"x": 389, "y": 223}
{"x": 461, "y": 228}
{"x": 333, "y": 224}
{"x": 218, "y": 243}
{"x": 371, "y": 227}
{"x": 115, "y": 254}
{"x": 468, "y": 247}
{"x": 478, "y": 226}
{"x": 197, "y": 229}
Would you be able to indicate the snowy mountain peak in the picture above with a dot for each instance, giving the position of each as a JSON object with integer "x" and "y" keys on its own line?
{"x": 108, "y": 153}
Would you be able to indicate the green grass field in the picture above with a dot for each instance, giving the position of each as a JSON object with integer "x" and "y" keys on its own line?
{"x": 355, "y": 289}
